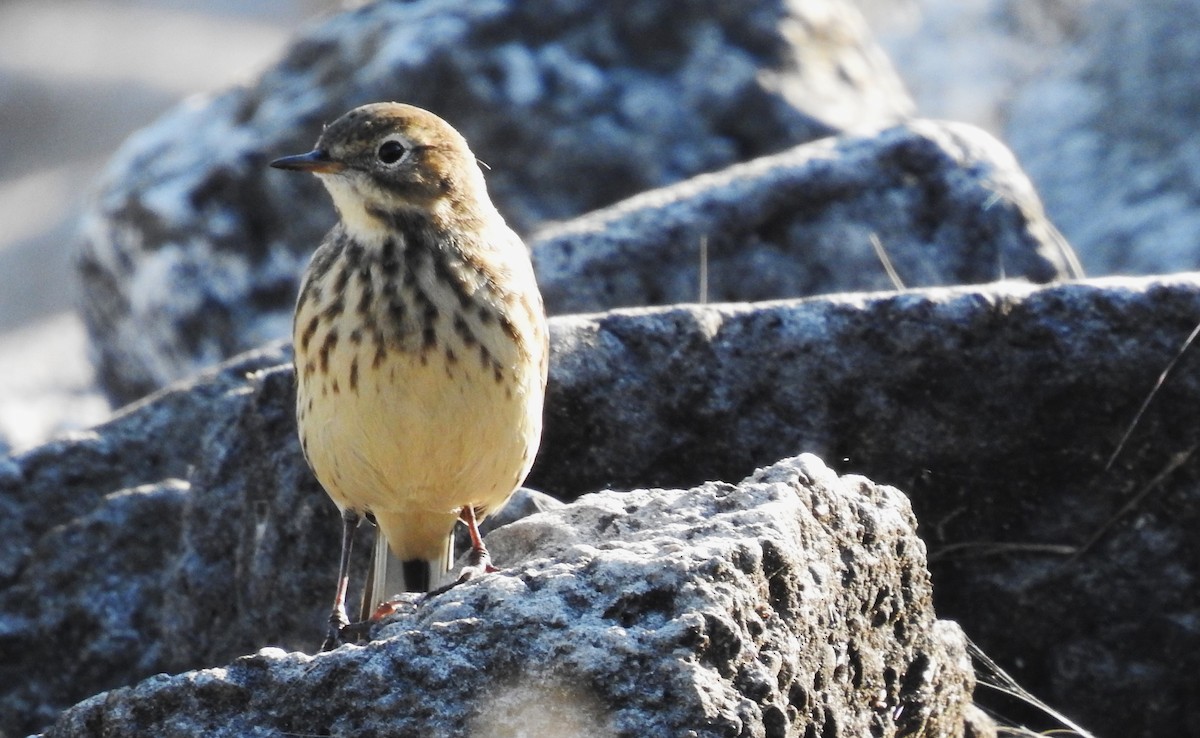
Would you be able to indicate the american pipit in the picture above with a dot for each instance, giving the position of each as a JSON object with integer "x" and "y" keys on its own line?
{"x": 420, "y": 346}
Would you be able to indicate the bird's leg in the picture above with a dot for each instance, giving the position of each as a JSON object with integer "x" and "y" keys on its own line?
{"x": 479, "y": 558}
{"x": 479, "y": 561}
{"x": 337, "y": 617}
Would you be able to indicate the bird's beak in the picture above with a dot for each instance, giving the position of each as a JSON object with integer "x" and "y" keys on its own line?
{"x": 316, "y": 161}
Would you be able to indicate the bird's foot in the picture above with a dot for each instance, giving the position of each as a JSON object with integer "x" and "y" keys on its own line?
{"x": 338, "y": 622}
{"x": 391, "y": 607}
{"x": 348, "y": 633}
{"x": 342, "y": 631}
{"x": 479, "y": 562}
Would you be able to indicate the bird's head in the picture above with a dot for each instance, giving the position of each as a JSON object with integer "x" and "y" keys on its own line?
{"x": 389, "y": 158}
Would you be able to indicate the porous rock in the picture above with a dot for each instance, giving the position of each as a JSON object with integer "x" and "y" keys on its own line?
{"x": 794, "y": 603}
{"x": 193, "y": 248}
{"x": 946, "y": 204}
{"x": 994, "y": 407}
{"x": 184, "y": 532}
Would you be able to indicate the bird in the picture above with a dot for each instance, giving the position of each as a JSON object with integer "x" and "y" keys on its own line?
{"x": 421, "y": 349}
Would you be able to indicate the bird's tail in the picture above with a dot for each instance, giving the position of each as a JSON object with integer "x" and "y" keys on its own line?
{"x": 391, "y": 575}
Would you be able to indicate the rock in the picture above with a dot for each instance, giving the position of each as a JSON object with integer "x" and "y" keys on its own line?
{"x": 1110, "y": 136}
{"x": 160, "y": 438}
{"x": 184, "y": 532}
{"x": 92, "y": 524}
{"x": 1093, "y": 97}
{"x": 967, "y": 61}
{"x": 947, "y": 203}
{"x": 79, "y": 596}
{"x": 193, "y": 248}
{"x": 994, "y": 407}
{"x": 796, "y": 602}
{"x": 253, "y": 564}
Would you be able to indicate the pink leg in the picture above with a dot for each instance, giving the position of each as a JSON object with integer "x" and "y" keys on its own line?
{"x": 480, "y": 558}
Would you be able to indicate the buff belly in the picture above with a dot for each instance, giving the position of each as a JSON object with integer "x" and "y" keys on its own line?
{"x": 412, "y": 441}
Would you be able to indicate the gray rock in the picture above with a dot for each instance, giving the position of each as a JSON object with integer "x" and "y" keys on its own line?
{"x": 92, "y": 525}
{"x": 995, "y": 408}
{"x": 966, "y": 61}
{"x": 522, "y": 504}
{"x": 160, "y": 438}
{"x": 947, "y": 203}
{"x": 95, "y": 601}
{"x": 1096, "y": 99}
{"x": 796, "y": 602}
{"x": 253, "y": 564}
{"x": 184, "y": 532}
{"x": 193, "y": 248}
{"x": 1111, "y": 136}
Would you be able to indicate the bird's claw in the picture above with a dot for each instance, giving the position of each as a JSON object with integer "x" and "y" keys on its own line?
{"x": 347, "y": 633}
{"x": 390, "y": 607}
{"x": 338, "y": 622}
{"x": 479, "y": 562}
{"x": 333, "y": 639}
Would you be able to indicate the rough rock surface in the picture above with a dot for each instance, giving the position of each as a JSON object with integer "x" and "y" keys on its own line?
{"x": 95, "y": 524}
{"x": 947, "y": 203}
{"x": 193, "y": 248}
{"x": 795, "y": 603}
{"x": 995, "y": 408}
{"x": 185, "y": 531}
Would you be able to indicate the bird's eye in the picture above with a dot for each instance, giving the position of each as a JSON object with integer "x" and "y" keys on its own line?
{"x": 390, "y": 152}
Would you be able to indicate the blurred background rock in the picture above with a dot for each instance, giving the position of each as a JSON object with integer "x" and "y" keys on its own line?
{"x": 76, "y": 78}
{"x": 1096, "y": 98}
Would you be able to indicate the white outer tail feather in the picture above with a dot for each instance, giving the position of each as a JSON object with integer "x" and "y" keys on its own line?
{"x": 386, "y": 579}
